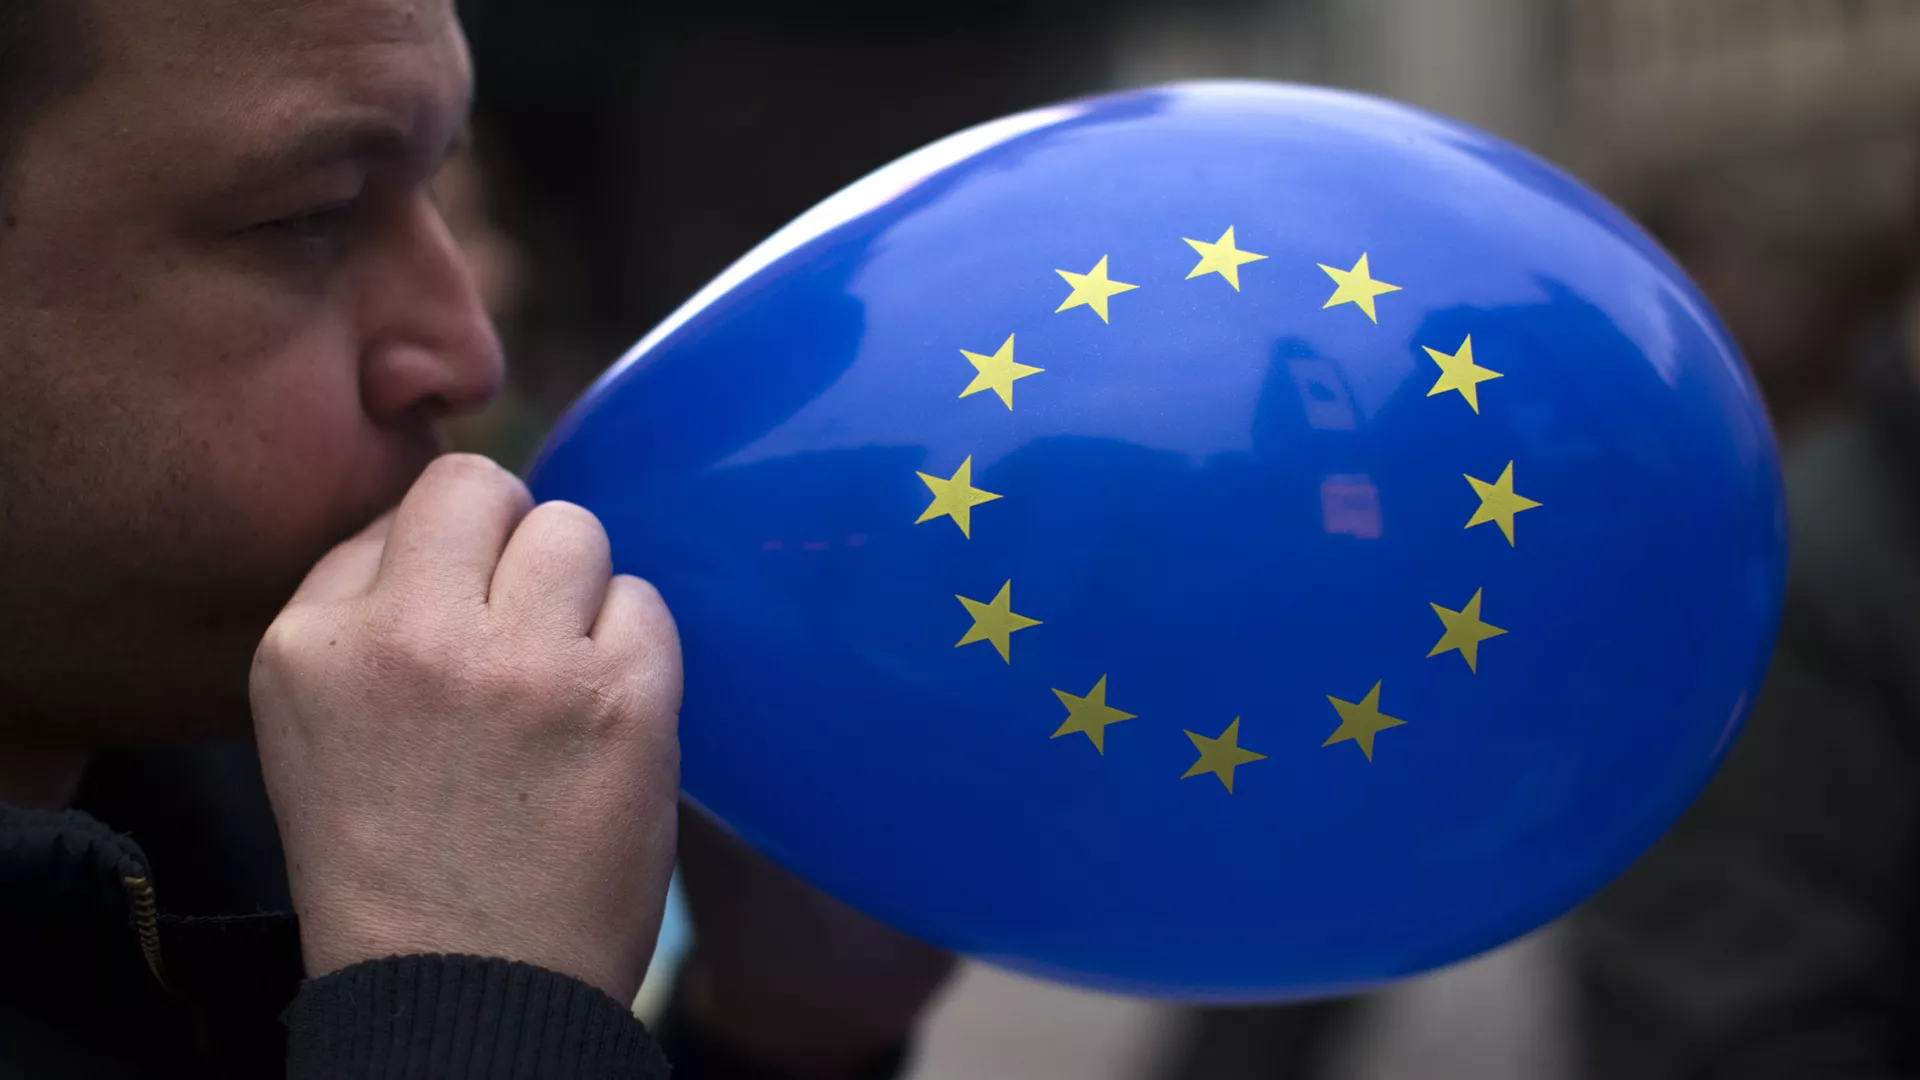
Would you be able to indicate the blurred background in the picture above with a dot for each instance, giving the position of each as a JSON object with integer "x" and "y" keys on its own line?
{"x": 626, "y": 151}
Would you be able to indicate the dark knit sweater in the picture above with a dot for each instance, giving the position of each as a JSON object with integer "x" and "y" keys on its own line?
{"x": 96, "y": 982}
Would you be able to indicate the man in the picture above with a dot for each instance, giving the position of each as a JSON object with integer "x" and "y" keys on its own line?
{"x": 1774, "y": 932}
{"x": 230, "y": 318}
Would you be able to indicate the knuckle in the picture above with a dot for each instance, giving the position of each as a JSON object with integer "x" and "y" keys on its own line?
{"x": 466, "y": 465}
{"x": 607, "y": 688}
{"x": 644, "y": 614}
{"x": 476, "y": 470}
{"x": 650, "y": 680}
{"x": 561, "y": 514}
{"x": 565, "y": 529}
{"x": 645, "y": 598}
{"x": 282, "y": 642}
{"x": 609, "y": 701}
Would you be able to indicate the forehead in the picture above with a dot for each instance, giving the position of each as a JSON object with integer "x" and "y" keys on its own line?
{"x": 227, "y": 69}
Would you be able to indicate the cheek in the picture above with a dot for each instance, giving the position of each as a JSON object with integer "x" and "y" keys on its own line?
{"x": 215, "y": 480}
{"x": 184, "y": 427}
{"x": 283, "y": 452}
{"x": 292, "y": 464}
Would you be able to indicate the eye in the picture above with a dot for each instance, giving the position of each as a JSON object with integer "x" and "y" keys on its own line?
{"x": 317, "y": 227}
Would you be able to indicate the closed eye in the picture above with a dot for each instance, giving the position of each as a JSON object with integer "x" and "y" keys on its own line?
{"x": 323, "y": 225}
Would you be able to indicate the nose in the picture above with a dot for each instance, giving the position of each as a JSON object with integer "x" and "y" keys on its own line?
{"x": 429, "y": 348}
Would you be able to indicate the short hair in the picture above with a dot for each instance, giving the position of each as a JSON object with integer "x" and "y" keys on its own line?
{"x": 46, "y": 53}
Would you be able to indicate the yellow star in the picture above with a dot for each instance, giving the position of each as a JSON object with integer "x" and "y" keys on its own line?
{"x": 1459, "y": 372}
{"x": 1361, "y": 722}
{"x": 1221, "y": 257}
{"x": 955, "y": 497}
{"x": 997, "y": 372}
{"x": 1222, "y": 755}
{"x": 1090, "y": 714}
{"x": 1356, "y": 286}
{"x": 1465, "y": 631}
{"x": 1092, "y": 289}
{"x": 994, "y": 621}
{"x": 1498, "y": 503}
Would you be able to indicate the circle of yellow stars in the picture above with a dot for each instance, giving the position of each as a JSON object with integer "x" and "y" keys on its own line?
{"x": 1359, "y": 722}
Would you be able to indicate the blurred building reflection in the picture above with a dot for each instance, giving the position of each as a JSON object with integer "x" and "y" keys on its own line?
{"x": 637, "y": 148}
{"x": 1774, "y": 145}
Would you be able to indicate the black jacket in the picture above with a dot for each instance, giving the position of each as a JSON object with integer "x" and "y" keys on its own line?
{"x": 96, "y": 982}
{"x": 110, "y": 969}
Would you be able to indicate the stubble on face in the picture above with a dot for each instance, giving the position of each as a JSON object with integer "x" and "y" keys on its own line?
{"x": 184, "y": 430}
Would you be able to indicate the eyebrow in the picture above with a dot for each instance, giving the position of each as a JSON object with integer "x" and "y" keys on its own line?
{"x": 351, "y": 139}
{"x": 324, "y": 144}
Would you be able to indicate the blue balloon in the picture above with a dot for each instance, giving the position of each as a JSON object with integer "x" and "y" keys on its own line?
{"x": 1223, "y": 541}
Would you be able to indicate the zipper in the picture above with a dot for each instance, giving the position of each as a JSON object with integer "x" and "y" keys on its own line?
{"x": 146, "y": 923}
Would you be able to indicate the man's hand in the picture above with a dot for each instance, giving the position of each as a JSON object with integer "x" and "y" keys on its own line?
{"x": 468, "y": 729}
{"x": 786, "y": 975}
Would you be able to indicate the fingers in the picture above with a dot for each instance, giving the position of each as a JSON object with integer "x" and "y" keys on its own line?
{"x": 555, "y": 570}
{"x": 634, "y": 624}
{"x": 633, "y": 615}
{"x": 350, "y": 568}
{"x": 450, "y": 530}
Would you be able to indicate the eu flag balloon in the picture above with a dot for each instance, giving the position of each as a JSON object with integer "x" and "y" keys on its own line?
{"x": 1223, "y": 541}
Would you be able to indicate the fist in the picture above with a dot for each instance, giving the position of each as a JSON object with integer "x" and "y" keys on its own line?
{"x": 468, "y": 730}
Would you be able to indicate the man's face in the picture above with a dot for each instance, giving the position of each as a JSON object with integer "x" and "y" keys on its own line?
{"x": 229, "y": 318}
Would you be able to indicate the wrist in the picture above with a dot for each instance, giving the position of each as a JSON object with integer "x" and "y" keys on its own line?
{"x": 330, "y": 945}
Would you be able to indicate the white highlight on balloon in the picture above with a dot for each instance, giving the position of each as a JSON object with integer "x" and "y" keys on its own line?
{"x": 864, "y": 195}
